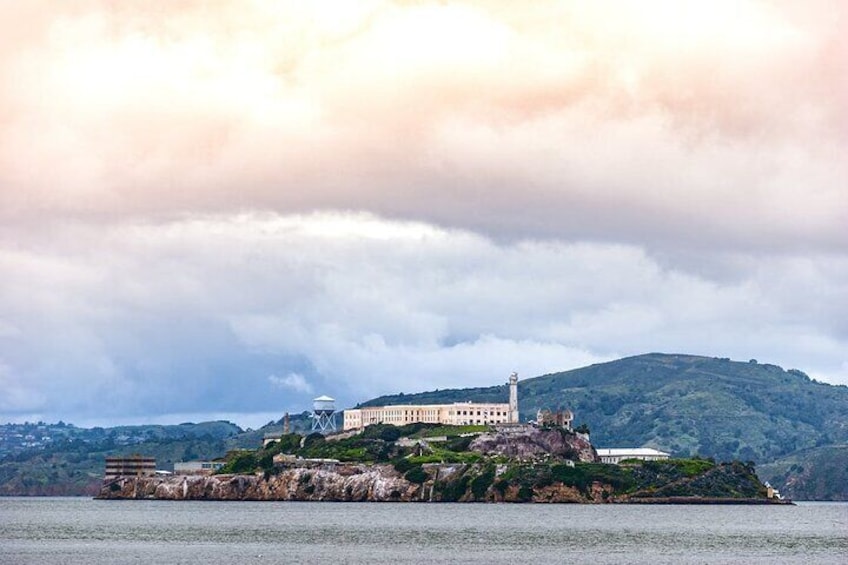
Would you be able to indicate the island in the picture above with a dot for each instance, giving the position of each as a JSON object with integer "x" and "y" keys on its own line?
{"x": 423, "y": 462}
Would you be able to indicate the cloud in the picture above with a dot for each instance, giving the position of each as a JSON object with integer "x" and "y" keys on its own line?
{"x": 191, "y": 316}
{"x": 292, "y": 381}
{"x": 390, "y": 196}
{"x": 671, "y": 125}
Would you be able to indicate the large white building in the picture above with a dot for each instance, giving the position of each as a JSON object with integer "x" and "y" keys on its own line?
{"x": 456, "y": 414}
{"x": 617, "y": 455}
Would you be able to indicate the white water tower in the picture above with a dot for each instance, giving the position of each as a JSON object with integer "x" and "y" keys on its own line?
{"x": 323, "y": 414}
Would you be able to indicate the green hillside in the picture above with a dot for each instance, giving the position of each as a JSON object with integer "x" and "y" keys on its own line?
{"x": 687, "y": 405}
{"x": 795, "y": 429}
{"x": 819, "y": 473}
{"x": 71, "y": 463}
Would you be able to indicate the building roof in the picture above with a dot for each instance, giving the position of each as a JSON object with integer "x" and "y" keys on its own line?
{"x": 631, "y": 451}
{"x": 323, "y": 399}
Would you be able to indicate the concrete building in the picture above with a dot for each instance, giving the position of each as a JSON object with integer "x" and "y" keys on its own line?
{"x": 561, "y": 418}
{"x": 197, "y": 467}
{"x": 617, "y": 455}
{"x": 134, "y": 465}
{"x": 456, "y": 414}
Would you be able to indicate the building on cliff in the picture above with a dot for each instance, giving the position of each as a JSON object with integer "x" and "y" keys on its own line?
{"x": 197, "y": 467}
{"x": 560, "y": 418}
{"x": 456, "y": 414}
{"x": 617, "y": 455}
{"x": 134, "y": 465}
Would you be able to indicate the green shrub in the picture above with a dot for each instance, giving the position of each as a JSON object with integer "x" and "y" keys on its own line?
{"x": 481, "y": 483}
{"x": 352, "y": 454}
{"x": 312, "y": 440}
{"x": 402, "y": 465}
{"x": 288, "y": 443}
{"x": 459, "y": 444}
{"x": 416, "y": 475}
{"x": 241, "y": 462}
{"x": 454, "y": 490}
{"x": 391, "y": 433}
{"x": 525, "y": 493}
{"x": 430, "y": 458}
{"x": 375, "y": 431}
{"x": 266, "y": 461}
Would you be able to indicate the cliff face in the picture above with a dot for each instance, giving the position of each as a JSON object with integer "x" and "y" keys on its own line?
{"x": 343, "y": 483}
{"x": 529, "y": 442}
{"x": 479, "y": 482}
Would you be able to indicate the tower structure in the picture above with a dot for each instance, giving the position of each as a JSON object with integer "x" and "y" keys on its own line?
{"x": 323, "y": 414}
{"x": 513, "y": 398}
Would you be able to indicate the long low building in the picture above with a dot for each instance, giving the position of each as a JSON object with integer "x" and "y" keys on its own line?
{"x": 457, "y": 414}
{"x": 617, "y": 455}
{"x": 197, "y": 467}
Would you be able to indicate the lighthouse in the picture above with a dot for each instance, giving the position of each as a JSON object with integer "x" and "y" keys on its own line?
{"x": 513, "y": 398}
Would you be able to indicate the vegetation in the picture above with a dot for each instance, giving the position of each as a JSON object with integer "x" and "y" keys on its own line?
{"x": 241, "y": 462}
{"x": 818, "y": 473}
{"x": 74, "y": 465}
{"x": 794, "y": 428}
{"x": 689, "y": 405}
{"x": 686, "y": 478}
{"x": 416, "y": 475}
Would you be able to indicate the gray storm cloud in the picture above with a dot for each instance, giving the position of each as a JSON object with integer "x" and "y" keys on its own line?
{"x": 192, "y": 316}
{"x": 382, "y": 196}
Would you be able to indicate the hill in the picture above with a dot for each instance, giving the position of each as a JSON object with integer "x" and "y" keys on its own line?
{"x": 687, "y": 405}
{"x": 38, "y": 459}
{"x": 819, "y": 473}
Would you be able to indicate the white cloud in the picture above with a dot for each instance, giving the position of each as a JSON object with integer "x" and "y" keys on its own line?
{"x": 668, "y": 126}
{"x": 191, "y": 316}
{"x": 195, "y": 198}
{"x": 292, "y": 381}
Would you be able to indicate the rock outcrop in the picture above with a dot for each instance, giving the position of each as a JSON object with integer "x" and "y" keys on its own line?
{"x": 530, "y": 442}
{"x": 343, "y": 483}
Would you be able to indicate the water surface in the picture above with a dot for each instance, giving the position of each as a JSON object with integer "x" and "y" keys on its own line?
{"x": 83, "y": 531}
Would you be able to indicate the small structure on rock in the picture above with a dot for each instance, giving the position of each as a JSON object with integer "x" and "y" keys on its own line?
{"x": 560, "y": 418}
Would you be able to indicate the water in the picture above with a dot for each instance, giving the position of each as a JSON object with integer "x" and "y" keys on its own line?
{"x": 71, "y": 531}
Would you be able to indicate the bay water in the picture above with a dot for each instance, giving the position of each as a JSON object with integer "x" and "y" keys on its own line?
{"x": 73, "y": 531}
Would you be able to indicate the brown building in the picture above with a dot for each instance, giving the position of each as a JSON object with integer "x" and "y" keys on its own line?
{"x": 134, "y": 465}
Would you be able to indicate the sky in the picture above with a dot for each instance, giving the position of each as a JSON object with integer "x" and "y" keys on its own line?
{"x": 222, "y": 209}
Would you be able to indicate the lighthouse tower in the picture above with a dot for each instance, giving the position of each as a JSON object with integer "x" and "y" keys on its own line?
{"x": 513, "y": 398}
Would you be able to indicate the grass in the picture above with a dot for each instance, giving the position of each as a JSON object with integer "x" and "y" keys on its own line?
{"x": 449, "y": 431}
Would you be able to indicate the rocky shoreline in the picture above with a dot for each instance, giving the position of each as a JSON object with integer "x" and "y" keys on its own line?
{"x": 379, "y": 483}
{"x": 502, "y": 464}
